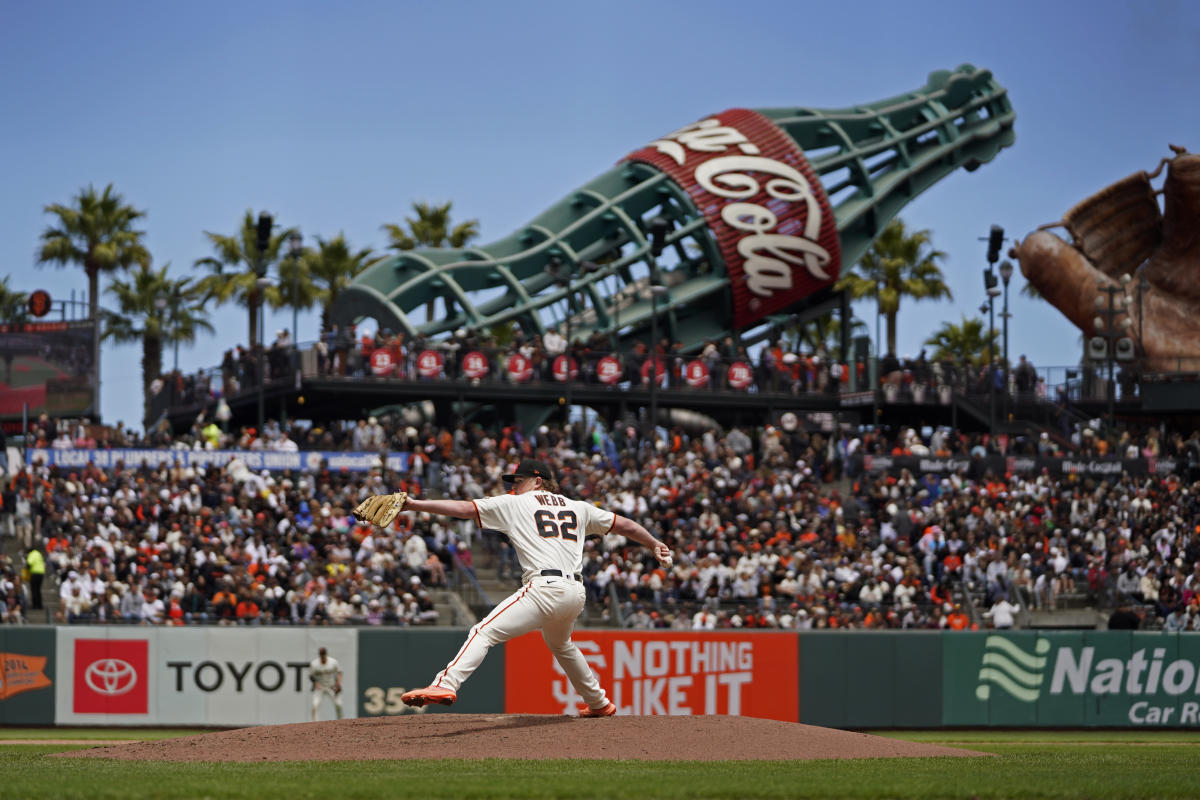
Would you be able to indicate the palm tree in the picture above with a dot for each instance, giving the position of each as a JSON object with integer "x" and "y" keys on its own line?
{"x": 431, "y": 228}
{"x": 96, "y": 234}
{"x": 295, "y": 289}
{"x": 966, "y": 343}
{"x": 330, "y": 268}
{"x": 154, "y": 309}
{"x": 13, "y": 304}
{"x": 899, "y": 264}
{"x": 232, "y": 270}
{"x": 13, "y": 311}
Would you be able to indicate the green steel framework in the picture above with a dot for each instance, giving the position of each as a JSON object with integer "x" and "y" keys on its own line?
{"x": 872, "y": 159}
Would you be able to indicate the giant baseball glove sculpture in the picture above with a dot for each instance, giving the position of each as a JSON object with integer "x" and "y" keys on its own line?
{"x": 381, "y": 509}
{"x": 1116, "y": 231}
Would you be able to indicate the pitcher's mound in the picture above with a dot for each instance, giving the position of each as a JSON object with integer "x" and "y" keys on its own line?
{"x": 525, "y": 736}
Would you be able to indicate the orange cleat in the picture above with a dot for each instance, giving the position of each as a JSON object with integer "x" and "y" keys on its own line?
{"x": 430, "y": 694}
{"x": 607, "y": 711}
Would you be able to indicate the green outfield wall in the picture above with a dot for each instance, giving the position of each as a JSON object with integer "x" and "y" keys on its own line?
{"x": 138, "y": 675}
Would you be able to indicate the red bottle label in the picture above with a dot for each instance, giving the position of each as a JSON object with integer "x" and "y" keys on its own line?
{"x": 763, "y": 202}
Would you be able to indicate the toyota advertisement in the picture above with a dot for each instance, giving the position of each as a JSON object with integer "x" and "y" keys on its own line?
{"x": 194, "y": 676}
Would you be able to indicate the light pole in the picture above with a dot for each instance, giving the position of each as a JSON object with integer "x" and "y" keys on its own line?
{"x": 995, "y": 242}
{"x": 295, "y": 250}
{"x": 876, "y": 386}
{"x": 657, "y": 290}
{"x": 1115, "y": 345}
{"x": 554, "y": 268}
{"x": 658, "y": 227}
{"x": 1006, "y": 273}
{"x": 262, "y": 243}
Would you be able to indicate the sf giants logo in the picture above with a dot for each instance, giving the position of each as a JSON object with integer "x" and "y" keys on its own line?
{"x": 564, "y": 693}
{"x": 111, "y": 676}
{"x": 674, "y": 673}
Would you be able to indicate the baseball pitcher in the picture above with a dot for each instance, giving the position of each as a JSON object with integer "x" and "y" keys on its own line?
{"x": 326, "y": 677}
{"x": 547, "y": 531}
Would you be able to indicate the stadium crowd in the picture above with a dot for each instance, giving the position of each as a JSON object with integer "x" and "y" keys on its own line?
{"x": 771, "y": 528}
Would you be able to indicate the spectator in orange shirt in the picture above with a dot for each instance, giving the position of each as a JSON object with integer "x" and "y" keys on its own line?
{"x": 957, "y": 619}
{"x": 247, "y": 609}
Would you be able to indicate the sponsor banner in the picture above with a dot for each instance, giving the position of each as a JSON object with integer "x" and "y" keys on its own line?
{"x": 133, "y": 675}
{"x": 662, "y": 673}
{"x": 1091, "y": 467}
{"x": 1086, "y": 678}
{"x": 764, "y": 204}
{"x": 26, "y": 676}
{"x": 393, "y": 660}
{"x": 254, "y": 459}
{"x": 49, "y": 369}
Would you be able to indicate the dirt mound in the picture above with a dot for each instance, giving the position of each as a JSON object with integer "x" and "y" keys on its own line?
{"x": 524, "y": 736}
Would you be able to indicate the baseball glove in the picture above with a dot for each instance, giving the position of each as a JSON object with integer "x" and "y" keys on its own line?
{"x": 381, "y": 509}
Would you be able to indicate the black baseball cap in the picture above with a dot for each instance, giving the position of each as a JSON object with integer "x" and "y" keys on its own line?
{"x": 530, "y": 468}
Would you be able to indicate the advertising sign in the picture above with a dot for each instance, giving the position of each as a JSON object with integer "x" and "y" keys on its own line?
{"x": 253, "y": 459}
{"x": 662, "y": 673}
{"x": 26, "y": 676}
{"x": 393, "y": 660}
{"x": 764, "y": 205}
{"x": 49, "y": 367}
{"x": 1092, "y": 678}
{"x": 1107, "y": 467}
{"x": 125, "y": 675}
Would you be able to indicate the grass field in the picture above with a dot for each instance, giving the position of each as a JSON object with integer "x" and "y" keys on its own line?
{"x": 1091, "y": 764}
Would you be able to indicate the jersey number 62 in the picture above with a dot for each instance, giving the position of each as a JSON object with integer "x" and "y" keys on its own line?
{"x": 560, "y": 525}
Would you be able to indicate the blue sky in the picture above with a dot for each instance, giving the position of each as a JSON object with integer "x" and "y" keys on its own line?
{"x": 336, "y": 117}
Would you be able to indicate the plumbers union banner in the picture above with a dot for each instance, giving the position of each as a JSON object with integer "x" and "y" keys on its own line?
{"x": 1088, "y": 678}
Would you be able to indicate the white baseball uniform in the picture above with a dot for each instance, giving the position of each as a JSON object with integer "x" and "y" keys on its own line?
{"x": 547, "y": 532}
{"x": 324, "y": 676}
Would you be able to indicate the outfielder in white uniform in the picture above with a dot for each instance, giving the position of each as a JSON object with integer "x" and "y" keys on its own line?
{"x": 326, "y": 677}
{"x": 547, "y": 531}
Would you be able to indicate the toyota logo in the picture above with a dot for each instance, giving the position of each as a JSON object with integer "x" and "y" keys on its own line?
{"x": 110, "y": 676}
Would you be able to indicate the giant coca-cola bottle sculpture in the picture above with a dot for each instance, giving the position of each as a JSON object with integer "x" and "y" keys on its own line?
{"x": 741, "y": 215}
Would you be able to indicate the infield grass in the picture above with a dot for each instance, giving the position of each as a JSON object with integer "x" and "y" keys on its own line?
{"x": 1056, "y": 764}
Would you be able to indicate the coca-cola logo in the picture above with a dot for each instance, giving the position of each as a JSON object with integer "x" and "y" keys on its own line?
{"x": 763, "y": 203}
